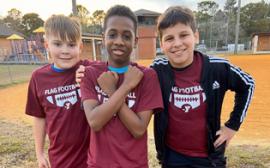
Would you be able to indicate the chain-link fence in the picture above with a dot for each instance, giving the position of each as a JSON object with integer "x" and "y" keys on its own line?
{"x": 17, "y": 67}
{"x": 15, "y": 73}
{"x": 24, "y": 58}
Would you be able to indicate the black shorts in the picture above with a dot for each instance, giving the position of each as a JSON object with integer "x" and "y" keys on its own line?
{"x": 177, "y": 160}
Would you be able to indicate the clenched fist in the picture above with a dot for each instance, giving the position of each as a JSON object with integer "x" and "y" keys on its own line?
{"x": 132, "y": 77}
{"x": 108, "y": 81}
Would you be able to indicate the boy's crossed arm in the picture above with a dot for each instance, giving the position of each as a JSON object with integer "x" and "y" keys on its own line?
{"x": 99, "y": 115}
{"x": 136, "y": 123}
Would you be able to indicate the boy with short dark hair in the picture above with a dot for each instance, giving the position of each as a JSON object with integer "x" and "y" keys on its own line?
{"x": 188, "y": 131}
{"x": 119, "y": 97}
{"x": 54, "y": 100}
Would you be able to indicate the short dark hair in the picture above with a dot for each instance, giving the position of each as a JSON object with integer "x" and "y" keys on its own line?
{"x": 120, "y": 10}
{"x": 174, "y": 15}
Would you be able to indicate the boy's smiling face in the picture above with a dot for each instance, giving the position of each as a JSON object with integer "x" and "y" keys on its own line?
{"x": 178, "y": 44}
{"x": 64, "y": 54}
{"x": 119, "y": 40}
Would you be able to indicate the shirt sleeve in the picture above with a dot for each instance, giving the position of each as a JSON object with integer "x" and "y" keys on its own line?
{"x": 87, "y": 62}
{"x": 88, "y": 85}
{"x": 243, "y": 85}
{"x": 33, "y": 104}
{"x": 151, "y": 98}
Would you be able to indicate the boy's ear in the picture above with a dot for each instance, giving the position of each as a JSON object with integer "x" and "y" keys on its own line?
{"x": 46, "y": 45}
{"x": 160, "y": 44}
{"x": 136, "y": 42}
{"x": 81, "y": 46}
{"x": 197, "y": 37}
{"x": 103, "y": 39}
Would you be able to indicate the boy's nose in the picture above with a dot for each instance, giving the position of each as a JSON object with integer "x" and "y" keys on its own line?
{"x": 178, "y": 42}
{"x": 119, "y": 40}
{"x": 65, "y": 49}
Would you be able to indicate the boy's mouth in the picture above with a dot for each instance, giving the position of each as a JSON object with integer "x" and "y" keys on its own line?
{"x": 178, "y": 52}
{"x": 64, "y": 58}
{"x": 118, "y": 52}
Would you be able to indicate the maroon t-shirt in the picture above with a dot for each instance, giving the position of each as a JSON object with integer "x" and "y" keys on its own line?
{"x": 187, "y": 112}
{"x": 53, "y": 95}
{"x": 114, "y": 146}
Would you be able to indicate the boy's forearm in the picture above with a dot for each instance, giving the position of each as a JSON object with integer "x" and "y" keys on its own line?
{"x": 39, "y": 135}
{"x": 99, "y": 115}
{"x": 135, "y": 123}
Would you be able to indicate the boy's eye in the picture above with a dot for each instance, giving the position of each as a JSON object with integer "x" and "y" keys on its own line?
{"x": 126, "y": 37}
{"x": 168, "y": 39}
{"x": 112, "y": 36}
{"x": 71, "y": 44}
{"x": 57, "y": 44}
{"x": 183, "y": 35}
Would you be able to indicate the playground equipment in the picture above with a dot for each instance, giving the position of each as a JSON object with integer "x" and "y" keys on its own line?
{"x": 38, "y": 48}
{"x": 37, "y": 51}
{"x": 18, "y": 47}
{"x": 28, "y": 50}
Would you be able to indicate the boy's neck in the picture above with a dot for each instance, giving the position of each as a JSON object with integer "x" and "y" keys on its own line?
{"x": 118, "y": 68}
{"x": 117, "y": 65}
{"x": 56, "y": 69}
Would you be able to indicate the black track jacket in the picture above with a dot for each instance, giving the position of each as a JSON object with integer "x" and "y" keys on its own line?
{"x": 217, "y": 76}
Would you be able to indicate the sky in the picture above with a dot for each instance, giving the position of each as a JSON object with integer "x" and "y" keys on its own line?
{"x": 46, "y": 8}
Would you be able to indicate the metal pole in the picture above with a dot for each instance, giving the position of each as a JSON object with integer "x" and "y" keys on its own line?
{"x": 237, "y": 28}
{"x": 94, "y": 50}
{"x": 74, "y": 8}
{"x": 227, "y": 30}
{"x": 211, "y": 27}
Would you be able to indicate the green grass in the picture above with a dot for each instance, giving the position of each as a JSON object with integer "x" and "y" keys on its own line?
{"x": 248, "y": 156}
{"x": 16, "y": 145}
{"x": 17, "y": 150}
{"x": 8, "y": 146}
{"x": 238, "y": 156}
{"x": 14, "y": 74}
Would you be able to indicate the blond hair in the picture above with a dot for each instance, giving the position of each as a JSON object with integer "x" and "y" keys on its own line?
{"x": 66, "y": 28}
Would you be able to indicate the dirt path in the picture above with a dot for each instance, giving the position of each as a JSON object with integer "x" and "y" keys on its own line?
{"x": 12, "y": 104}
{"x": 255, "y": 129}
